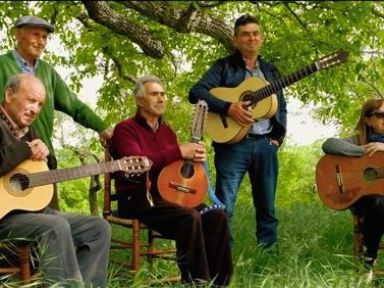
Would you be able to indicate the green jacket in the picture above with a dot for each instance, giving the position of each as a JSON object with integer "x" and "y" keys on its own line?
{"x": 59, "y": 97}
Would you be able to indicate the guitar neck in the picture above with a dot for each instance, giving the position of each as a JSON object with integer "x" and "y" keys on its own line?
{"x": 61, "y": 175}
{"x": 283, "y": 82}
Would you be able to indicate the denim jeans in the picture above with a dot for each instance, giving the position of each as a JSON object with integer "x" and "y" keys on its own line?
{"x": 258, "y": 157}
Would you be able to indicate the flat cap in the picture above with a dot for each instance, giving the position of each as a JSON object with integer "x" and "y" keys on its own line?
{"x": 34, "y": 21}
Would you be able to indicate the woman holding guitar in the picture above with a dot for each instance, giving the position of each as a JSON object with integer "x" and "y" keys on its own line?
{"x": 368, "y": 141}
{"x": 202, "y": 240}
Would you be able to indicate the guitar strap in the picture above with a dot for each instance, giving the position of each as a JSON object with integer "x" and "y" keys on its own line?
{"x": 217, "y": 204}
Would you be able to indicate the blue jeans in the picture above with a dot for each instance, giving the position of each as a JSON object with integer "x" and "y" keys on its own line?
{"x": 258, "y": 157}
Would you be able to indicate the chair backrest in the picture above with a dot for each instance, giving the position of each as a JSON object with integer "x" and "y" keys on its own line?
{"x": 137, "y": 245}
{"x": 107, "y": 210}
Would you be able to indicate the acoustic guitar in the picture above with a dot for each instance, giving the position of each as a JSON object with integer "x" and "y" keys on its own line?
{"x": 224, "y": 129}
{"x": 342, "y": 180}
{"x": 185, "y": 182}
{"x": 29, "y": 186}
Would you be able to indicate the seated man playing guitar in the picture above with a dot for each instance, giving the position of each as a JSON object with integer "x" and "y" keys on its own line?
{"x": 73, "y": 249}
{"x": 202, "y": 239}
{"x": 368, "y": 141}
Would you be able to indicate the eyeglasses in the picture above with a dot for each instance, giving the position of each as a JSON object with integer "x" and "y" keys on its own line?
{"x": 377, "y": 113}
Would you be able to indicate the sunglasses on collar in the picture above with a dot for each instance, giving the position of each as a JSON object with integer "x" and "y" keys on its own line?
{"x": 376, "y": 113}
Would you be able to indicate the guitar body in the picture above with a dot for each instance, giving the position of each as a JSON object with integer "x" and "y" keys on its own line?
{"x": 186, "y": 187}
{"x": 14, "y": 197}
{"x": 342, "y": 180}
{"x": 261, "y": 96}
{"x": 29, "y": 186}
{"x": 232, "y": 132}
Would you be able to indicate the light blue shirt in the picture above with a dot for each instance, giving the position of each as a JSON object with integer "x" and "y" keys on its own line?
{"x": 24, "y": 64}
{"x": 263, "y": 125}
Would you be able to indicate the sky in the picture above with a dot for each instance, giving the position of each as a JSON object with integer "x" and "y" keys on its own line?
{"x": 303, "y": 129}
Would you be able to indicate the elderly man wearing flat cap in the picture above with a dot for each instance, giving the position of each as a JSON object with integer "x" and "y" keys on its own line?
{"x": 31, "y": 34}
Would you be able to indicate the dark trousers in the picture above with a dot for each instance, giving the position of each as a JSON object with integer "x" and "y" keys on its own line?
{"x": 202, "y": 241}
{"x": 73, "y": 249}
{"x": 371, "y": 211}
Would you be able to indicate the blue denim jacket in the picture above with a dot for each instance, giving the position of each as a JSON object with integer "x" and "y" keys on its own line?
{"x": 230, "y": 72}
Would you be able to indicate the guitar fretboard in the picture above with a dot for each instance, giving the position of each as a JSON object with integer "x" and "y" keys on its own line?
{"x": 54, "y": 176}
{"x": 283, "y": 82}
{"x": 131, "y": 165}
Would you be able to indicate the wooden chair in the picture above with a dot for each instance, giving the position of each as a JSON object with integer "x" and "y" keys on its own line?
{"x": 136, "y": 246}
{"x": 358, "y": 242}
{"x": 15, "y": 259}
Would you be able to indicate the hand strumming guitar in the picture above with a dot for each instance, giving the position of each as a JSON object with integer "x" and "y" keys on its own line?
{"x": 239, "y": 112}
{"x": 39, "y": 150}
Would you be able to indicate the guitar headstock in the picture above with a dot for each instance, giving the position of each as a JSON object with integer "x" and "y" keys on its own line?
{"x": 199, "y": 119}
{"x": 333, "y": 59}
{"x": 134, "y": 165}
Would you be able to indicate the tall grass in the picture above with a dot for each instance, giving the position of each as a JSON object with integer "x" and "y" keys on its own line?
{"x": 315, "y": 243}
{"x": 315, "y": 250}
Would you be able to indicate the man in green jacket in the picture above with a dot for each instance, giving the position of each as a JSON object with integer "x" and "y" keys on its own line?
{"x": 31, "y": 34}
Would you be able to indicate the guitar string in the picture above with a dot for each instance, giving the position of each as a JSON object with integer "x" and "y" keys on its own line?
{"x": 53, "y": 176}
{"x": 283, "y": 82}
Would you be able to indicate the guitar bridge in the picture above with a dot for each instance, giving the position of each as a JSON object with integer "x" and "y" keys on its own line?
{"x": 181, "y": 188}
{"x": 339, "y": 180}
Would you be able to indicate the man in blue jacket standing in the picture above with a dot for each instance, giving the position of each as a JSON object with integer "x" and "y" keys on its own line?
{"x": 256, "y": 153}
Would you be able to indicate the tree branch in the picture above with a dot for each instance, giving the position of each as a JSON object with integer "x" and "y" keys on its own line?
{"x": 100, "y": 12}
{"x": 184, "y": 20}
{"x": 296, "y": 17}
{"x": 209, "y": 4}
{"x": 373, "y": 87}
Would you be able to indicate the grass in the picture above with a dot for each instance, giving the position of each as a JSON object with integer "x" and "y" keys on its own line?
{"x": 315, "y": 250}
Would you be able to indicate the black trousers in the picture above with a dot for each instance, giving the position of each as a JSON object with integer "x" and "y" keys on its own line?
{"x": 371, "y": 211}
{"x": 202, "y": 241}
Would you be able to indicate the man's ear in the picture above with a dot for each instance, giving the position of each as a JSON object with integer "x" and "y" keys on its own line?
{"x": 8, "y": 95}
{"x": 139, "y": 101}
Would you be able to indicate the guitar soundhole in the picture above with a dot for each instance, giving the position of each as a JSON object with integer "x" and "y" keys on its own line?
{"x": 370, "y": 174}
{"x": 18, "y": 182}
{"x": 247, "y": 96}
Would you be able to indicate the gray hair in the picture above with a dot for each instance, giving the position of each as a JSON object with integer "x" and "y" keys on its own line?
{"x": 139, "y": 90}
{"x": 14, "y": 82}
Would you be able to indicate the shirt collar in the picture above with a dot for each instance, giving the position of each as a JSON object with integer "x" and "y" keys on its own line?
{"x": 24, "y": 64}
{"x": 141, "y": 120}
{"x": 15, "y": 129}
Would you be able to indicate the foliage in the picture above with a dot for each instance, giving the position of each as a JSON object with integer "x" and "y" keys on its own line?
{"x": 315, "y": 242}
{"x": 296, "y": 182}
{"x": 73, "y": 194}
{"x": 296, "y": 33}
